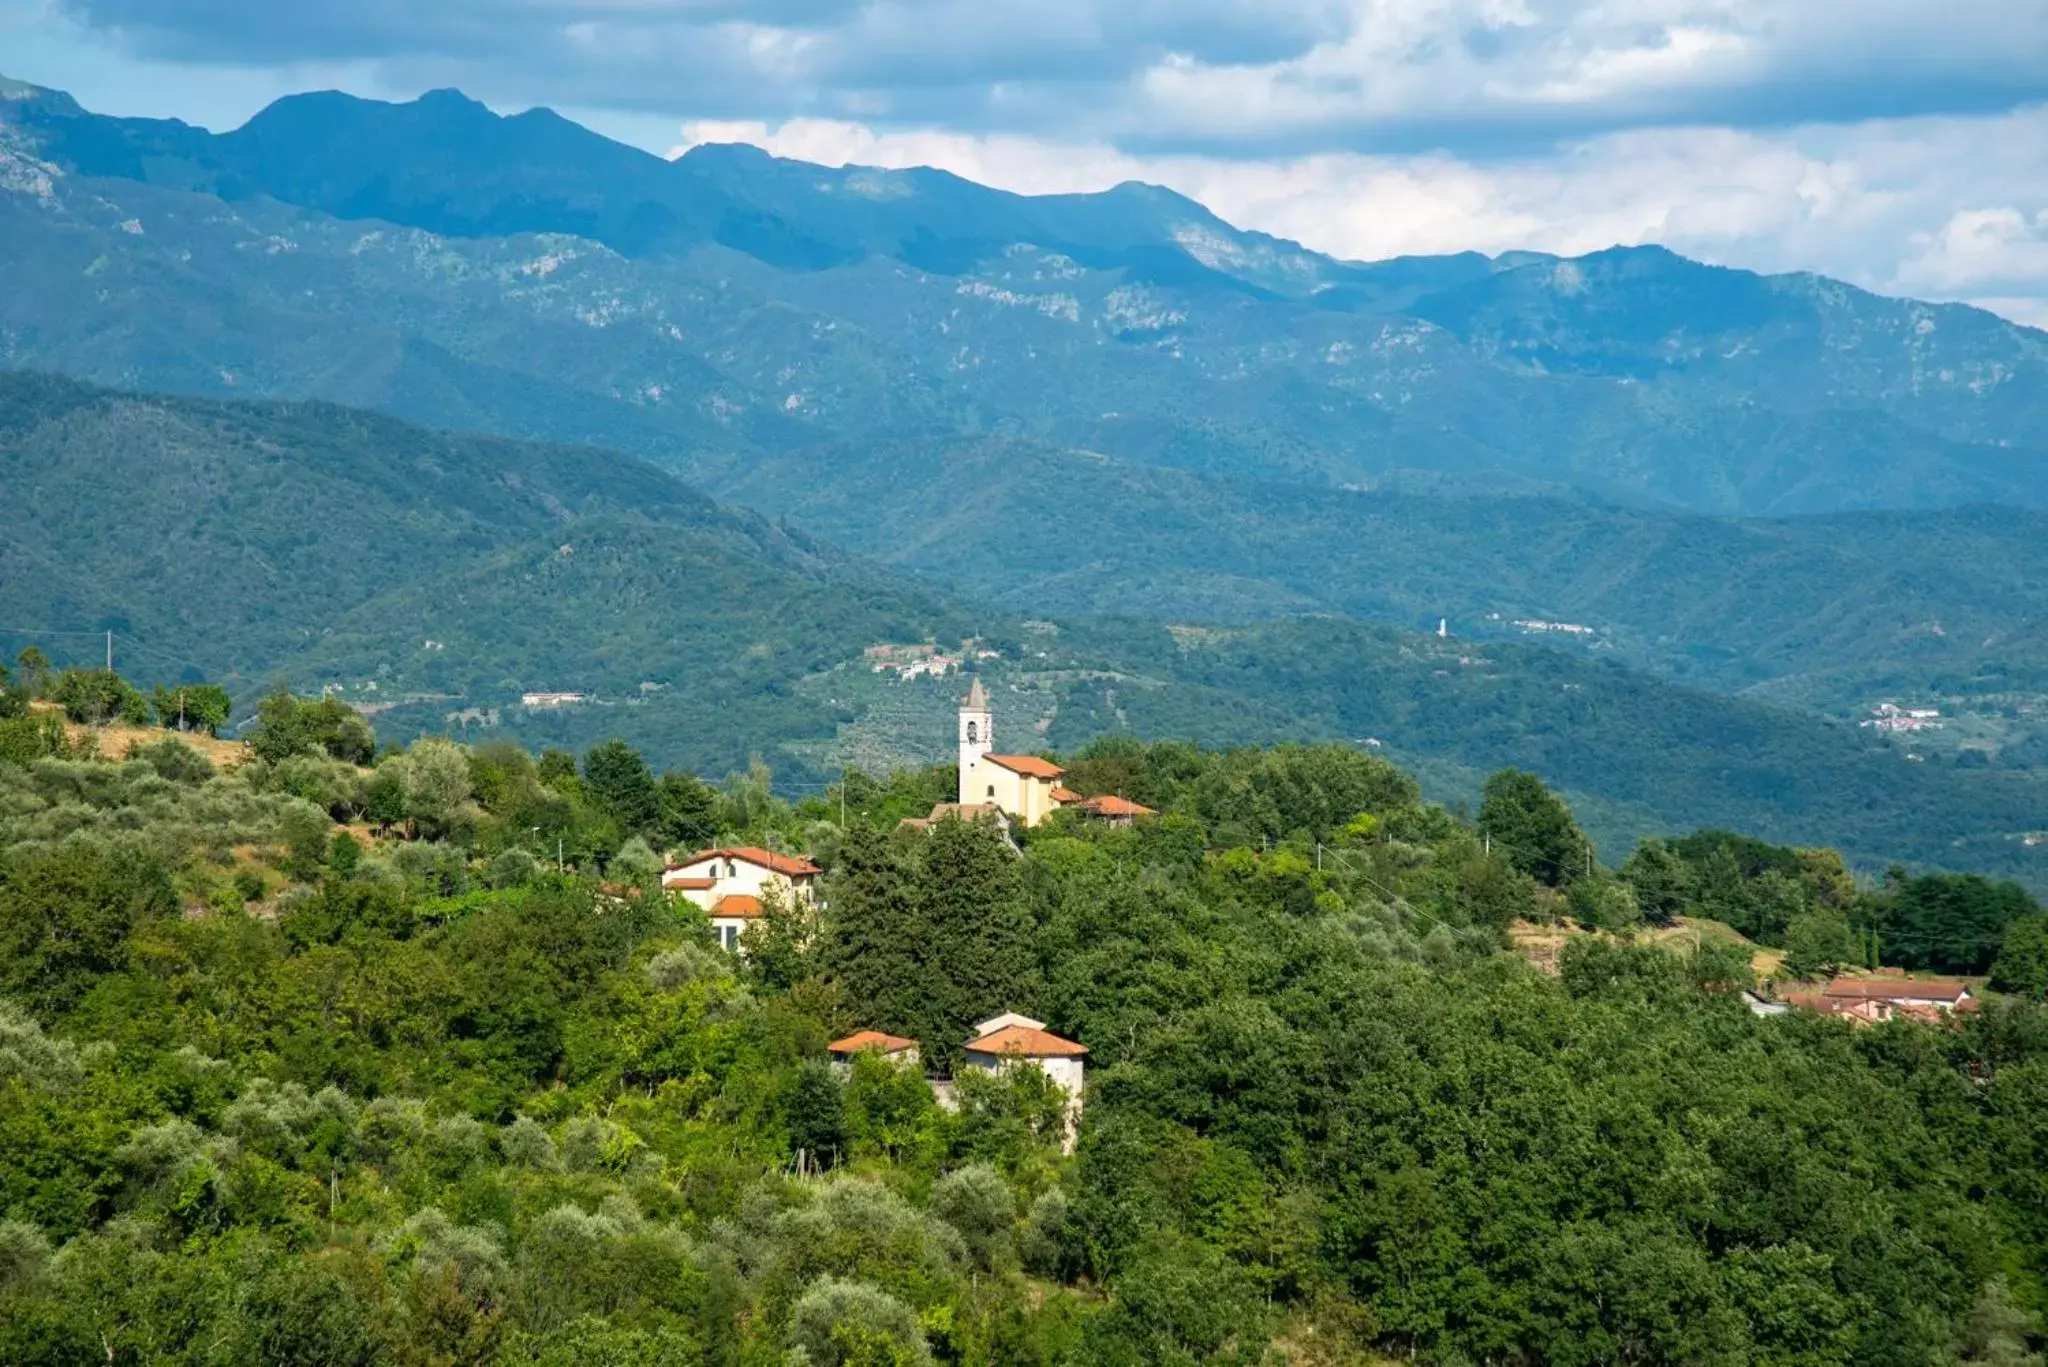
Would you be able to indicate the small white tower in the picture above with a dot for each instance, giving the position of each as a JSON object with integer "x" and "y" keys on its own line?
{"x": 977, "y": 734}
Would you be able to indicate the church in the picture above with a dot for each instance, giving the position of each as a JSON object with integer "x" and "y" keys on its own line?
{"x": 1024, "y": 788}
{"x": 1020, "y": 790}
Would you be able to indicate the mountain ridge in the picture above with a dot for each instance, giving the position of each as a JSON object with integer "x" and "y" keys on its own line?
{"x": 842, "y": 301}
{"x": 434, "y": 578}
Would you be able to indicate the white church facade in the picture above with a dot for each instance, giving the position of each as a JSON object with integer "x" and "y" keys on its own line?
{"x": 1024, "y": 788}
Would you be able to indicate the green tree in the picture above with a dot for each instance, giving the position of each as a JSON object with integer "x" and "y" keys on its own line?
{"x": 932, "y": 937}
{"x": 192, "y": 707}
{"x": 1604, "y": 903}
{"x": 840, "y": 1323}
{"x": 618, "y": 779}
{"x": 1952, "y": 923}
{"x": 2022, "y": 964}
{"x": 976, "y": 1201}
{"x": 689, "y": 811}
{"x": 287, "y": 725}
{"x": 98, "y": 696}
{"x": 556, "y": 768}
{"x": 1662, "y": 879}
{"x": 1820, "y": 944}
{"x": 66, "y": 915}
{"x": 384, "y": 794}
{"x": 1534, "y": 827}
{"x": 35, "y": 670}
{"x": 433, "y": 775}
{"x": 1999, "y": 1329}
{"x": 814, "y": 1110}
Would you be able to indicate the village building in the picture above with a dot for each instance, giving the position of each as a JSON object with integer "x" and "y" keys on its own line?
{"x": 1009, "y": 1040}
{"x": 1022, "y": 789}
{"x": 730, "y": 883}
{"x": 895, "y": 1048}
{"x": 1116, "y": 811}
{"x": 1872, "y": 1001}
{"x": 1912, "y": 995}
{"x": 552, "y": 699}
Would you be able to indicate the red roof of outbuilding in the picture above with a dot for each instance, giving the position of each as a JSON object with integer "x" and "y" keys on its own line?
{"x": 787, "y": 865}
{"x": 1031, "y": 766}
{"x": 1898, "y": 989}
{"x": 1111, "y": 805}
{"x": 1021, "y": 1042}
{"x": 871, "y": 1039}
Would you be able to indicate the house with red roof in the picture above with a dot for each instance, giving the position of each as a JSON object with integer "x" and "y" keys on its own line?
{"x": 1010, "y": 1040}
{"x": 1912, "y": 996}
{"x": 895, "y": 1048}
{"x": 729, "y": 884}
{"x": 1872, "y": 1001}
{"x": 1116, "y": 811}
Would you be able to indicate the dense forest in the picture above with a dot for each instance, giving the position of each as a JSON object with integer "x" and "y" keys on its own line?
{"x": 342, "y": 1053}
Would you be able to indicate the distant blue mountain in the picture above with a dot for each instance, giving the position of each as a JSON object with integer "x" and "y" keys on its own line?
{"x": 781, "y": 301}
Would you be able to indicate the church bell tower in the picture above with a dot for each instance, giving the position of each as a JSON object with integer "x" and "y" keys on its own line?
{"x": 977, "y": 735}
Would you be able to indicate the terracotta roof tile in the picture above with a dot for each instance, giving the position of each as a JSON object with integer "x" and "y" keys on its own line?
{"x": 786, "y": 865}
{"x": 871, "y": 1039}
{"x": 1111, "y": 805}
{"x": 737, "y": 904}
{"x": 1066, "y": 795}
{"x": 1897, "y": 989}
{"x": 690, "y": 884}
{"x": 1019, "y": 1042}
{"x": 1031, "y": 766}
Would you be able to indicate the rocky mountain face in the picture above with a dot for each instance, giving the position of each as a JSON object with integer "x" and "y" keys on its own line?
{"x": 526, "y": 276}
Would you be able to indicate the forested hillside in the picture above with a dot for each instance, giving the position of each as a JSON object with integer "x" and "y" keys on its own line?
{"x": 436, "y": 579}
{"x": 335, "y": 546}
{"x": 412, "y": 1092}
{"x": 1833, "y": 609}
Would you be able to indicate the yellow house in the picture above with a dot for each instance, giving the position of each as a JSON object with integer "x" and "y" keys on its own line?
{"x": 1025, "y": 787}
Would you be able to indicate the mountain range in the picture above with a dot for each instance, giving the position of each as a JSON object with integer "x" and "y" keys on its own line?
{"x": 435, "y": 259}
{"x": 1112, "y": 414}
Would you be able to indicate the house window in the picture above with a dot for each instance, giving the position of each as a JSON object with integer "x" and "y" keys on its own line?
{"x": 972, "y": 734}
{"x": 728, "y": 937}
{"x": 991, "y": 792}
{"x": 731, "y": 870}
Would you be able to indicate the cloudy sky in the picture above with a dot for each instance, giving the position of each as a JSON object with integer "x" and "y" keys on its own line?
{"x": 1901, "y": 144}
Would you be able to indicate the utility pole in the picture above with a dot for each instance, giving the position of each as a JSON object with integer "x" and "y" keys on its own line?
{"x": 110, "y": 652}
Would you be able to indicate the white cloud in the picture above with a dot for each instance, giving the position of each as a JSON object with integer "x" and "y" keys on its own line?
{"x": 1464, "y": 74}
{"x": 1874, "y": 204}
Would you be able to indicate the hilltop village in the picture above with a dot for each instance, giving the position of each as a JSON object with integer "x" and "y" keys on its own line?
{"x": 735, "y": 886}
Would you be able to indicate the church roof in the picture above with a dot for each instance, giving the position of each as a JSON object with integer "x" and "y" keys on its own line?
{"x": 977, "y": 697}
{"x": 1031, "y": 766}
